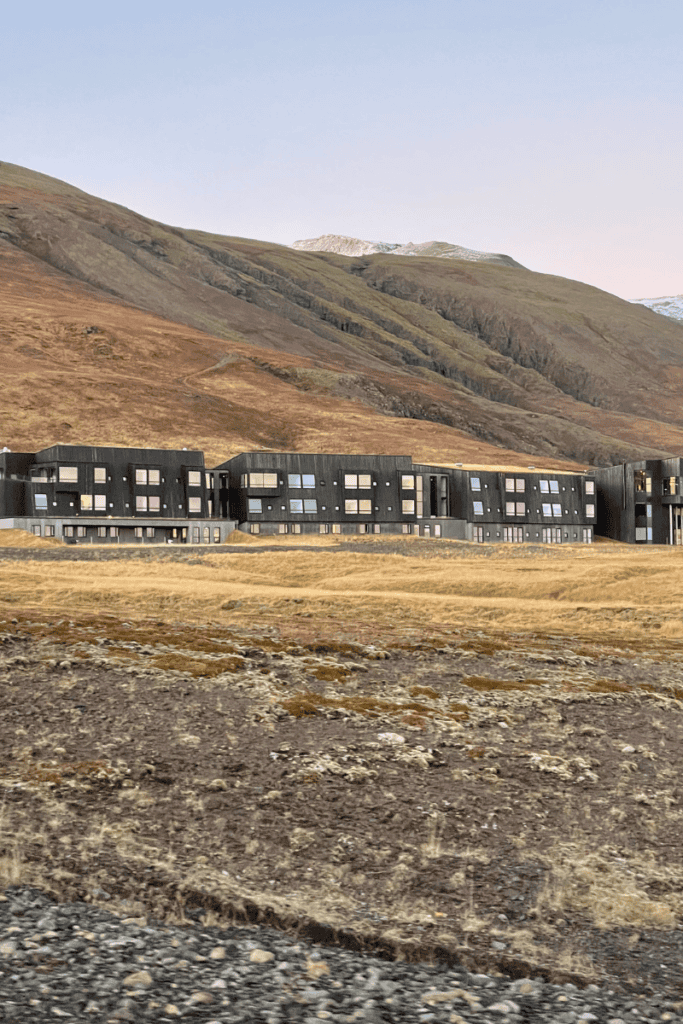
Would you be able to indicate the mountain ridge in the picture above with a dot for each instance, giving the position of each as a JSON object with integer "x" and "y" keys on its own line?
{"x": 345, "y": 245}
{"x": 113, "y": 325}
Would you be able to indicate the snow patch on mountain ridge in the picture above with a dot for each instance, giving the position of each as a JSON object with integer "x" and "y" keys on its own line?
{"x": 347, "y": 246}
{"x": 667, "y": 305}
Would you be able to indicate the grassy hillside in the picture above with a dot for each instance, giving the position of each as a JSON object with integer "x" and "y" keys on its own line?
{"x": 117, "y": 328}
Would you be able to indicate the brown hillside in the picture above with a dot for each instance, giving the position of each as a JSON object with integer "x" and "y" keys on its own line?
{"x": 117, "y": 329}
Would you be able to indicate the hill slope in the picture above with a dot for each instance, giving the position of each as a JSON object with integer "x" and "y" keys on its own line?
{"x": 117, "y": 328}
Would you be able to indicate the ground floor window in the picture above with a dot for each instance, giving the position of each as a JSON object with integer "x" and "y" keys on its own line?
{"x": 195, "y": 534}
{"x": 113, "y": 531}
{"x": 336, "y": 527}
{"x": 68, "y": 531}
{"x": 406, "y": 527}
{"x": 427, "y": 531}
{"x": 282, "y": 528}
{"x": 552, "y": 535}
{"x": 150, "y": 531}
{"x": 362, "y": 528}
{"x": 513, "y": 534}
{"x": 587, "y": 535}
{"x": 216, "y": 534}
{"x": 81, "y": 531}
{"x": 377, "y": 528}
{"x": 643, "y": 534}
{"x": 437, "y": 529}
{"x": 49, "y": 531}
{"x": 324, "y": 527}
{"x": 478, "y": 534}
{"x": 101, "y": 531}
{"x": 296, "y": 527}
{"x": 206, "y": 533}
{"x": 138, "y": 532}
{"x": 416, "y": 529}
{"x": 253, "y": 528}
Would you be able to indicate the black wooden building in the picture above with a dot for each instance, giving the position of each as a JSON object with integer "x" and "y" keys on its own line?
{"x": 86, "y": 494}
{"x": 642, "y": 502}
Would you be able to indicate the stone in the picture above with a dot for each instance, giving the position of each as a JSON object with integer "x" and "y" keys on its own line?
{"x": 217, "y": 953}
{"x": 172, "y": 1010}
{"x": 139, "y": 979}
{"x": 8, "y": 948}
{"x": 261, "y": 956}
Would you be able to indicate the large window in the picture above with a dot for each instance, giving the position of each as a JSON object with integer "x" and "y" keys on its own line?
{"x": 41, "y": 502}
{"x": 86, "y": 502}
{"x": 141, "y": 477}
{"x": 557, "y": 511}
{"x": 140, "y": 502}
{"x": 590, "y": 487}
{"x": 547, "y": 509}
{"x": 408, "y": 482}
{"x": 154, "y": 503}
{"x": 100, "y": 475}
{"x": 310, "y": 505}
{"x": 263, "y": 479}
{"x": 478, "y": 507}
{"x": 475, "y": 483}
{"x": 194, "y": 504}
{"x": 590, "y": 511}
{"x": 255, "y": 505}
{"x": 296, "y": 505}
{"x": 194, "y": 478}
{"x": 68, "y": 474}
{"x": 294, "y": 479}
{"x": 554, "y": 487}
{"x": 100, "y": 502}
{"x": 364, "y": 507}
{"x": 154, "y": 477}
{"x": 357, "y": 481}
{"x": 408, "y": 506}
{"x": 509, "y": 508}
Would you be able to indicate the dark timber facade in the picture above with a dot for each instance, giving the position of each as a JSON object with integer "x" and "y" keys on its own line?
{"x": 642, "y": 502}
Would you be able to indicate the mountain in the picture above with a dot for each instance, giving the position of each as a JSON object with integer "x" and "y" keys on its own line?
{"x": 671, "y": 305}
{"x": 345, "y": 246}
{"x": 117, "y": 329}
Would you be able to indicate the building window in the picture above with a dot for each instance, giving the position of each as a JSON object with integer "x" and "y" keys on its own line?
{"x": 68, "y": 474}
{"x": 475, "y": 483}
{"x": 100, "y": 502}
{"x": 150, "y": 531}
{"x": 336, "y": 527}
{"x": 521, "y": 508}
{"x": 100, "y": 475}
{"x": 554, "y": 487}
{"x": 141, "y": 502}
{"x": 364, "y": 481}
{"x": 40, "y": 502}
{"x": 255, "y": 505}
{"x": 81, "y": 531}
{"x": 49, "y": 531}
{"x": 194, "y": 504}
{"x": 195, "y": 534}
{"x": 296, "y": 527}
{"x": 543, "y": 486}
{"x": 547, "y": 509}
{"x": 141, "y": 477}
{"x": 416, "y": 529}
{"x": 478, "y": 507}
{"x": 296, "y": 505}
{"x": 294, "y": 480}
{"x": 216, "y": 534}
{"x": 509, "y": 508}
{"x": 590, "y": 511}
{"x": 437, "y": 530}
{"x": 406, "y": 528}
{"x": 154, "y": 477}
{"x": 351, "y": 481}
{"x": 36, "y": 530}
{"x": 282, "y": 528}
{"x": 154, "y": 503}
{"x": 263, "y": 480}
{"x": 509, "y": 483}
{"x": 194, "y": 478}
{"x": 408, "y": 482}
{"x": 324, "y": 528}
{"x": 642, "y": 482}
{"x": 478, "y": 534}
{"x": 648, "y": 511}
{"x": 138, "y": 532}
{"x": 590, "y": 486}
{"x": 377, "y": 528}
{"x": 308, "y": 480}
{"x": 641, "y": 534}
{"x": 427, "y": 531}
{"x": 557, "y": 511}
{"x": 101, "y": 531}
{"x": 361, "y": 528}
{"x": 587, "y": 535}
{"x": 408, "y": 507}
{"x": 351, "y": 506}
{"x": 86, "y": 502}
{"x": 68, "y": 531}
{"x": 310, "y": 505}
{"x": 365, "y": 507}
{"x": 113, "y": 531}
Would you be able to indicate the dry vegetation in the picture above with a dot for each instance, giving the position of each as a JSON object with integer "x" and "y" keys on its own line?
{"x": 431, "y": 748}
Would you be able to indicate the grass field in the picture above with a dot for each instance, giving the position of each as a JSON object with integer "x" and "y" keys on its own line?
{"x": 429, "y": 748}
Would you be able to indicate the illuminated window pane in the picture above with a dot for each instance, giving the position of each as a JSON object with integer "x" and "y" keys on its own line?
{"x": 365, "y": 507}
{"x": 478, "y": 508}
{"x": 408, "y": 483}
{"x": 308, "y": 480}
{"x": 141, "y": 503}
{"x": 364, "y": 481}
{"x": 475, "y": 483}
{"x": 68, "y": 474}
{"x": 351, "y": 481}
{"x": 310, "y": 505}
{"x": 194, "y": 478}
{"x": 351, "y": 506}
{"x": 255, "y": 505}
{"x": 100, "y": 475}
{"x": 294, "y": 479}
{"x": 296, "y": 505}
{"x": 408, "y": 506}
{"x": 100, "y": 502}
{"x": 194, "y": 504}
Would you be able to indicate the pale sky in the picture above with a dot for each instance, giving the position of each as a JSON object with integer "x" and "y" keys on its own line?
{"x": 549, "y": 130}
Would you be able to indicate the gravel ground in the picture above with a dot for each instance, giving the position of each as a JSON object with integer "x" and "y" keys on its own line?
{"x": 79, "y": 962}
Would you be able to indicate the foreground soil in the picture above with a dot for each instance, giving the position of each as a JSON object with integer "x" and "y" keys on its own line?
{"x": 505, "y": 797}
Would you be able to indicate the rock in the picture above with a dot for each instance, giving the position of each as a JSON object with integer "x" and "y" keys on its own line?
{"x": 140, "y": 979}
{"x": 217, "y": 953}
{"x": 261, "y": 956}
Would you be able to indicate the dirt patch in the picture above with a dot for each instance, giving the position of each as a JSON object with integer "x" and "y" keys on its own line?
{"x": 444, "y": 796}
